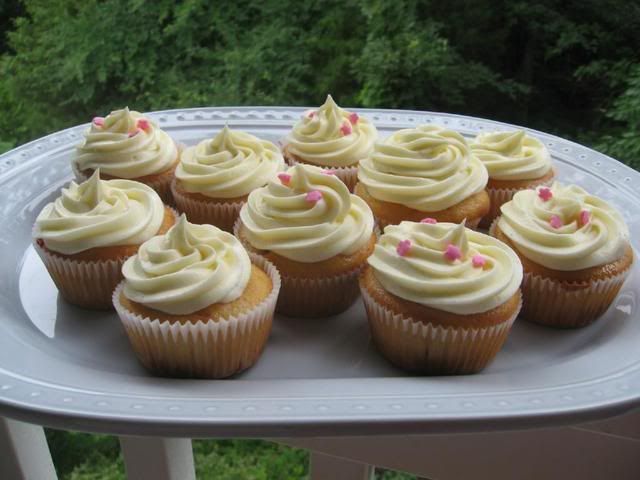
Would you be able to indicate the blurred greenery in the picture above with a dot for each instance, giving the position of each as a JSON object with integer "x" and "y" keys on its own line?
{"x": 80, "y": 456}
{"x": 570, "y": 68}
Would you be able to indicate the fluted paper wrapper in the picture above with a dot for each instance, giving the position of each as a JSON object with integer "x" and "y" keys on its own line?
{"x": 568, "y": 305}
{"x": 431, "y": 349}
{"x": 86, "y": 284}
{"x": 215, "y": 349}
{"x": 348, "y": 175}
{"x": 500, "y": 196}
{"x": 222, "y": 215}
{"x": 312, "y": 297}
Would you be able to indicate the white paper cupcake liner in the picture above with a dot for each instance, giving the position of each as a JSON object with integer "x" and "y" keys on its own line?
{"x": 427, "y": 348}
{"x": 500, "y": 196}
{"x": 568, "y": 305}
{"x": 348, "y": 175}
{"x": 83, "y": 283}
{"x": 312, "y": 297}
{"x": 212, "y": 349}
{"x": 222, "y": 215}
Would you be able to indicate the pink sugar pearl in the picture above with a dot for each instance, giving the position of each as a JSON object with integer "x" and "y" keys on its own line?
{"x": 284, "y": 178}
{"x": 478, "y": 261}
{"x": 314, "y": 196}
{"x": 545, "y": 193}
{"x": 555, "y": 221}
{"x": 429, "y": 220}
{"x": 452, "y": 253}
{"x": 403, "y": 247}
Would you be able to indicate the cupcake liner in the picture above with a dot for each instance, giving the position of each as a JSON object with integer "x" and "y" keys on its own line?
{"x": 348, "y": 175}
{"x": 312, "y": 297}
{"x": 428, "y": 348}
{"x": 222, "y": 215}
{"x": 500, "y": 196}
{"x": 88, "y": 284}
{"x": 212, "y": 349}
{"x": 565, "y": 304}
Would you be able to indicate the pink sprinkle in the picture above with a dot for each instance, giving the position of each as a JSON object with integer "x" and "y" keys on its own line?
{"x": 134, "y": 133}
{"x": 452, "y": 253}
{"x": 329, "y": 172}
{"x": 478, "y": 261}
{"x": 345, "y": 129}
{"x": 584, "y": 218}
{"x": 144, "y": 124}
{"x": 555, "y": 221}
{"x": 313, "y": 196}
{"x": 429, "y": 220}
{"x": 99, "y": 121}
{"x": 311, "y": 114}
{"x": 285, "y": 178}
{"x": 403, "y": 247}
{"x": 545, "y": 193}
{"x": 353, "y": 118}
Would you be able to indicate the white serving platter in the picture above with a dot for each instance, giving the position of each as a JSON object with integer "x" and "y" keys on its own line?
{"x": 72, "y": 368}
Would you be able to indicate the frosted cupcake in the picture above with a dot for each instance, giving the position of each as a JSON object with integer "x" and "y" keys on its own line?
{"x": 331, "y": 138}
{"x": 86, "y": 234}
{"x": 194, "y": 305}
{"x": 214, "y": 178}
{"x": 315, "y": 232}
{"x": 515, "y": 161}
{"x": 128, "y": 145}
{"x": 574, "y": 249}
{"x": 440, "y": 298}
{"x": 421, "y": 172}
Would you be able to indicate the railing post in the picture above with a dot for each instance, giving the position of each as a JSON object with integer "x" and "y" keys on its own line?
{"x": 24, "y": 453}
{"x": 150, "y": 458}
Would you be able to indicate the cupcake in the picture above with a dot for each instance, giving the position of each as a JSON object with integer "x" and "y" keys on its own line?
{"x": 421, "y": 172}
{"x": 129, "y": 146}
{"x": 331, "y": 138}
{"x": 86, "y": 234}
{"x": 194, "y": 304}
{"x": 214, "y": 178}
{"x": 440, "y": 298}
{"x": 574, "y": 249}
{"x": 315, "y": 232}
{"x": 515, "y": 161}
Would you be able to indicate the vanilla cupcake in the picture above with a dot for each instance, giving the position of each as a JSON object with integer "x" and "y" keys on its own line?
{"x": 440, "y": 298}
{"x": 214, "y": 178}
{"x": 194, "y": 305}
{"x": 515, "y": 161}
{"x": 575, "y": 252}
{"x": 128, "y": 145}
{"x": 86, "y": 234}
{"x": 331, "y": 138}
{"x": 420, "y": 172}
{"x": 315, "y": 232}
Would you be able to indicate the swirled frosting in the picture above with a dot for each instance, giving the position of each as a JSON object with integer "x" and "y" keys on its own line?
{"x": 230, "y": 165}
{"x": 512, "y": 155}
{"x": 548, "y": 226}
{"x": 307, "y": 216}
{"x": 125, "y": 145}
{"x": 426, "y": 168}
{"x": 100, "y": 213}
{"x": 331, "y": 136}
{"x": 188, "y": 268}
{"x": 485, "y": 272}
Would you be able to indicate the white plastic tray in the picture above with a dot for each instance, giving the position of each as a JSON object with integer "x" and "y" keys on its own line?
{"x": 72, "y": 368}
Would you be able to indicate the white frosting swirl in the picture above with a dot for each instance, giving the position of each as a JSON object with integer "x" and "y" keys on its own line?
{"x": 121, "y": 148}
{"x": 426, "y": 168}
{"x": 572, "y": 245}
{"x": 187, "y": 269}
{"x": 280, "y": 218}
{"x": 329, "y": 137}
{"x": 426, "y": 276}
{"x": 512, "y": 155}
{"x": 230, "y": 165}
{"x": 100, "y": 213}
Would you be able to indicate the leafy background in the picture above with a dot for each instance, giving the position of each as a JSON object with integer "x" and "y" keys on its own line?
{"x": 571, "y": 68}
